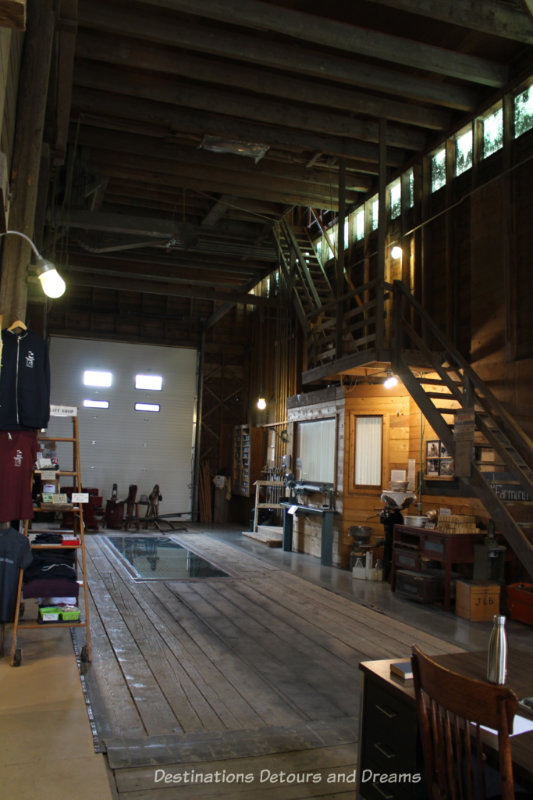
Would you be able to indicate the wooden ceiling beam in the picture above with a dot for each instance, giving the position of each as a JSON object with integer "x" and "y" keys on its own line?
{"x": 200, "y": 181}
{"x": 171, "y": 173}
{"x": 267, "y": 168}
{"x": 103, "y": 102}
{"x": 129, "y": 193}
{"x": 251, "y": 107}
{"x": 143, "y": 228}
{"x": 165, "y": 264}
{"x": 485, "y": 16}
{"x": 278, "y": 55}
{"x": 137, "y": 55}
{"x": 122, "y": 284}
{"x": 342, "y": 36}
{"x": 138, "y": 272}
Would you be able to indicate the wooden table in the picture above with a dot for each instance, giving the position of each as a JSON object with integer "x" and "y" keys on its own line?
{"x": 388, "y": 706}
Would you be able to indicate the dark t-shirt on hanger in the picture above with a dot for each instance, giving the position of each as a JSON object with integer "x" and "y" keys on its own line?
{"x": 15, "y": 554}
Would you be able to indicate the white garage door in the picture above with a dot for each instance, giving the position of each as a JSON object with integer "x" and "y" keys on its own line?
{"x": 140, "y": 436}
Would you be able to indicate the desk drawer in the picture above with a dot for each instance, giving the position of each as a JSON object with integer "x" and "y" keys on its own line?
{"x": 406, "y": 558}
{"x": 389, "y": 730}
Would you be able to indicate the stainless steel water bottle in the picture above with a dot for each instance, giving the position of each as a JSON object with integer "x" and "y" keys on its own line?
{"x": 497, "y": 656}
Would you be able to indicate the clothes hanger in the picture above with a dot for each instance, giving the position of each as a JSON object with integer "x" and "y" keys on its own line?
{"x": 18, "y": 324}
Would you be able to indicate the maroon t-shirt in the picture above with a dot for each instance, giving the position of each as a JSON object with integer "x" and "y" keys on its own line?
{"x": 18, "y": 451}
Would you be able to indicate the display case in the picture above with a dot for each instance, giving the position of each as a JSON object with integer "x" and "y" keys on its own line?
{"x": 248, "y": 459}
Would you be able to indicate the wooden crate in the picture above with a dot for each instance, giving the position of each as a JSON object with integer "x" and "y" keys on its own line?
{"x": 477, "y": 601}
{"x": 520, "y": 602}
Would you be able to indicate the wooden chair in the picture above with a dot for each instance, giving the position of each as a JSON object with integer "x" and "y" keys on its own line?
{"x": 451, "y": 709}
{"x": 132, "y": 509}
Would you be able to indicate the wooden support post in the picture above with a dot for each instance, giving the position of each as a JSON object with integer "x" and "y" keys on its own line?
{"x": 340, "y": 258}
{"x": 31, "y": 108}
{"x": 382, "y": 227}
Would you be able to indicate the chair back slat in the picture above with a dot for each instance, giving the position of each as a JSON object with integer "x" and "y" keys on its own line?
{"x": 451, "y": 710}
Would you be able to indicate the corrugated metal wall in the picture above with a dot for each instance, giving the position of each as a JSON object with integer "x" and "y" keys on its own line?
{"x": 120, "y": 445}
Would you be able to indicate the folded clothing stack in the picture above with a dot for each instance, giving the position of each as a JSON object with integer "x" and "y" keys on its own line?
{"x": 51, "y": 573}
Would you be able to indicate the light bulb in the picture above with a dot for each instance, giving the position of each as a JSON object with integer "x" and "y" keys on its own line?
{"x": 51, "y": 281}
{"x": 396, "y": 251}
{"x": 391, "y": 381}
{"x": 261, "y": 404}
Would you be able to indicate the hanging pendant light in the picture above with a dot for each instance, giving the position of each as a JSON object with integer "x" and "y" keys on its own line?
{"x": 52, "y": 283}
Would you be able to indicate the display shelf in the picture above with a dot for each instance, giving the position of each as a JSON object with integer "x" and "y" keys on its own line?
{"x": 248, "y": 459}
{"x": 81, "y": 574}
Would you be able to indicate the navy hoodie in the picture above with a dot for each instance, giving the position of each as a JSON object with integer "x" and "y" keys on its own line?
{"x": 24, "y": 381}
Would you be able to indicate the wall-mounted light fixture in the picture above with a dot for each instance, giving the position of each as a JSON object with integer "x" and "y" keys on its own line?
{"x": 52, "y": 283}
{"x": 396, "y": 251}
{"x": 390, "y": 381}
{"x": 261, "y": 404}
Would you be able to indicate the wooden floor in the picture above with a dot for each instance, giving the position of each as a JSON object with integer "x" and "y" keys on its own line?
{"x": 224, "y": 680}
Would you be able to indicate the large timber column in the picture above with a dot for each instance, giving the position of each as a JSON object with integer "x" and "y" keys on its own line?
{"x": 29, "y": 126}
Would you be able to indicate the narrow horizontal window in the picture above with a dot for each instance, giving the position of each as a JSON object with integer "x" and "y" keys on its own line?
{"x": 463, "y": 152}
{"x": 147, "y": 407}
{"x": 360, "y": 224}
{"x": 492, "y": 132}
{"x": 97, "y": 378}
{"x": 96, "y": 404}
{"x": 395, "y": 199}
{"x": 152, "y": 382}
{"x": 411, "y": 190}
{"x": 438, "y": 170}
{"x": 523, "y": 112}
{"x": 374, "y": 214}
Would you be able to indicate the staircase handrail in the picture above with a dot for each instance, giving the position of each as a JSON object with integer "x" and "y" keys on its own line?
{"x": 511, "y": 425}
{"x": 347, "y": 296}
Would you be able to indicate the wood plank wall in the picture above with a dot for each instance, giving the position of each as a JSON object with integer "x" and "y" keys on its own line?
{"x": 405, "y": 433}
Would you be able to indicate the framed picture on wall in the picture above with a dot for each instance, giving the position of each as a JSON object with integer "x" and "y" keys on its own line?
{"x": 432, "y": 468}
{"x": 446, "y": 467}
{"x": 439, "y": 463}
{"x": 432, "y": 450}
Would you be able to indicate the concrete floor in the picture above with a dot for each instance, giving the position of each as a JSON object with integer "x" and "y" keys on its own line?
{"x": 47, "y": 743}
{"x": 378, "y": 596}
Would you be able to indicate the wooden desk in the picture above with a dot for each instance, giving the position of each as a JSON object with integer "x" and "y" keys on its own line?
{"x": 388, "y": 741}
{"x": 412, "y": 544}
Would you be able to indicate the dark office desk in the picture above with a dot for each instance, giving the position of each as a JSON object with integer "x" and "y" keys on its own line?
{"x": 388, "y": 740}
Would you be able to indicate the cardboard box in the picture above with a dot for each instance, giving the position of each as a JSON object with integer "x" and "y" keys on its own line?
{"x": 477, "y": 601}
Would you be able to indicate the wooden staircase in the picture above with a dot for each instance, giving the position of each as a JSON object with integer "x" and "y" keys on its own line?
{"x": 335, "y": 323}
{"x": 447, "y": 390}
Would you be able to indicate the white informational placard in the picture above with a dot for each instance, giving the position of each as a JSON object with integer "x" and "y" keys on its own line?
{"x": 80, "y": 497}
{"x": 63, "y": 411}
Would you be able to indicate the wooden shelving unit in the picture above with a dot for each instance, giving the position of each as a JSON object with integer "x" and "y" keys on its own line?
{"x": 78, "y": 532}
{"x": 248, "y": 459}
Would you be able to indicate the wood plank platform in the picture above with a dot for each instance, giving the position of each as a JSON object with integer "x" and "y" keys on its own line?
{"x": 256, "y": 673}
{"x": 271, "y": 535}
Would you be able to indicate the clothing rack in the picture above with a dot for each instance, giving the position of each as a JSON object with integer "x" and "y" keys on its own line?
{"x": 79, "y": 547}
